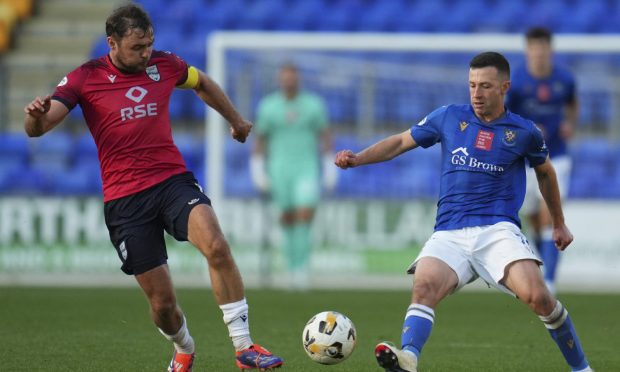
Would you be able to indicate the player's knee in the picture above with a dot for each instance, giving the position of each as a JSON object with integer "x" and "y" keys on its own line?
{"x": 540, "y": 302}
{"x": 218, "y": 253}
{"x": 424, "y": 292}
{"x": 164, "y": 306}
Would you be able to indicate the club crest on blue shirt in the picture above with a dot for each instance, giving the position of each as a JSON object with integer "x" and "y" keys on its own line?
{"x": 510, "y": 137}
{"x": 153, "y": 73}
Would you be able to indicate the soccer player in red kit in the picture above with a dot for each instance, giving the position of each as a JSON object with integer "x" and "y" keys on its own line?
{"x": 146, "y": 186}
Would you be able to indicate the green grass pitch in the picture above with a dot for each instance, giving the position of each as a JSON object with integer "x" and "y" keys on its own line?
{"x": 69, "y": 329}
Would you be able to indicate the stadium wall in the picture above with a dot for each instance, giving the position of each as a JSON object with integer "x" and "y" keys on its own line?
{"x": 63, "y": 241}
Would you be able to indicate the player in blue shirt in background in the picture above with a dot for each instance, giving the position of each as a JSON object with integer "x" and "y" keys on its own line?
{"x": 545, "y": 93}
{"x": 477, "y": 231}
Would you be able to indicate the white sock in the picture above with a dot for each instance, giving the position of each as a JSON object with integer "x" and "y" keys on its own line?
{"x": 238, "y": 323}
{"x": 182, "y": 340}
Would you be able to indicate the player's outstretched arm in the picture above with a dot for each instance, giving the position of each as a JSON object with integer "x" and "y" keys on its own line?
{"x": 42, "y": 115}
{"x": 214, "y": 96}
{"x": 548, "y": 184}
{"x": 383, "y": 150}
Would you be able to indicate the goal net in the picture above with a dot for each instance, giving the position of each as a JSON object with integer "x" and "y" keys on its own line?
{"x": 373, "y": 224}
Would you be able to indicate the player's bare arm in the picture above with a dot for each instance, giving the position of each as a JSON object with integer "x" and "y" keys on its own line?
{"x": 548, "y": 184}
{"x": 42, "y": 115}
{"x": 383, "y": 150}
{"x": 214, "y": 96}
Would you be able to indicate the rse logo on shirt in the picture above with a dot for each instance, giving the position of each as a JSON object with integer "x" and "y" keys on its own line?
{"x": 136, "y": 94}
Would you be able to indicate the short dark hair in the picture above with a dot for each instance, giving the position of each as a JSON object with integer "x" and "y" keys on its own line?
{"x": 289, "y": 66}
{"x": 538, "y": 33}
{"x": 491, "y": 59}
{"x": 125, "y": 18}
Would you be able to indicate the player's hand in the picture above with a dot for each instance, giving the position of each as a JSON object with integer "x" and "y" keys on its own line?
{"x": 240, "y": 131}
{"x": 562, "y": 237}
{"x": 38, "y": 107}
{"x": 346, "y": 159}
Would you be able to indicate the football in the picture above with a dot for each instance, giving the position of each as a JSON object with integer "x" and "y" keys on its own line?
{"x": 329, "y": 337}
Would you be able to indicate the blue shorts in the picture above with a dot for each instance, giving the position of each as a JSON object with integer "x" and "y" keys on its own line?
{"x": 136, "y": 223}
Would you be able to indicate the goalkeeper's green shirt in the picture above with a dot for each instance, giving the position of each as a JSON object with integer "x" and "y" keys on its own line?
{"x": 292, "y": 131}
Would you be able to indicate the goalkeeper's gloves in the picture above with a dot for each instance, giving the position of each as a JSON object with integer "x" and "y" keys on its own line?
{"x": 330, "y": 172}
{"x": 258, "y": 172}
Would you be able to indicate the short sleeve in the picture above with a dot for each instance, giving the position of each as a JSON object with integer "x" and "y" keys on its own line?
{"x": 68, "y": 89}
{"x": 179, "y": 66}
{"x": 537, "y": 150}
{"x": 428, "y": 131}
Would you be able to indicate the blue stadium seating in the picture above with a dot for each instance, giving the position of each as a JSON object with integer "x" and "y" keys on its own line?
{"x": 59, "y": 163}
{"x": 51, "y": 152}
{"x": 192, "y": 148}
{"x": 13, "y": 149}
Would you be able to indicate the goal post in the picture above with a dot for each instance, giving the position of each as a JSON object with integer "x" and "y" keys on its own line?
{"x": 221, "y": 42}
{"x": 371, "y": 82}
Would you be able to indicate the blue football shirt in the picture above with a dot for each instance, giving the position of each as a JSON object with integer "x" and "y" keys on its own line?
{"x": 482, "y": 165}
{"x": 543, "y": 101}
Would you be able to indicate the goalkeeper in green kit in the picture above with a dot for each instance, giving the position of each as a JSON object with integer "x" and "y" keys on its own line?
{"x": 292, "y": 140}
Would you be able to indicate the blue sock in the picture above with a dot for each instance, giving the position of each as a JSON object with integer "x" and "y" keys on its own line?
{"x": 417, "y": 328}
{"x": 550, "y": 256}
{"x": 561, "y": 329}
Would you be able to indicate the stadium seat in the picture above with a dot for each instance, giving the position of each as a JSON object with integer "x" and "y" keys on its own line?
{"x": 100, "y": 47}
{"x": 8, "y": 170}
{"x": 584, "y": 16}
{"x": 261, "y": 15}
{"x": 192, "y": 148}
{"x": 504, "y": 16}
{"x": 548, "y": 13}
{"x": 301, "y": 15}
{"x": 383, "y": 16}
{"x": 85, "y": 147}
{"x": 198, "y": 109}
{"x": 25, "y": 181}
{"x": 82, "y": 180}
{"x": 179, "y": 107}
{"x": 54, "y": 150}
{"x": 223, "y": 15}
{"x": 422, "y": 16}
{"x": 8, "y": 19}
{"x": 194, "y": 51}
{"x": 13, "y": 149}
{"x": 337, "y": 19}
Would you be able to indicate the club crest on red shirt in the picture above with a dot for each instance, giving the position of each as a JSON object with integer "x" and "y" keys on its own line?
{"x": 153, "y": 73}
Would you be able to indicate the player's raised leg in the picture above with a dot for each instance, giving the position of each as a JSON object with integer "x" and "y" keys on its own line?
{"x": 434, "y": 280}
{"x": 525, "y": 280}
{"x": 167, "y": 316}
{"x": 204, "y": 233}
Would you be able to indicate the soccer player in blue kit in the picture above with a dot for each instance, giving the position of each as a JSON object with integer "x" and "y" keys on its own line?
{"x": 544, "y": 92}
{"x": 477, "y": 231}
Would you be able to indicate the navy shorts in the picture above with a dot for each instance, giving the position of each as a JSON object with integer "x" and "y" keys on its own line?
{"x": 137, "y": 222}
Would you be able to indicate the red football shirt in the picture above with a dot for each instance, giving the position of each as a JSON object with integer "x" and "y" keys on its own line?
{"x": 127, "y": 114}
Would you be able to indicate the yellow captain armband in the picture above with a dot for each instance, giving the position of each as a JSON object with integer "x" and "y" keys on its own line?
{"x": 192, "y": 79}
